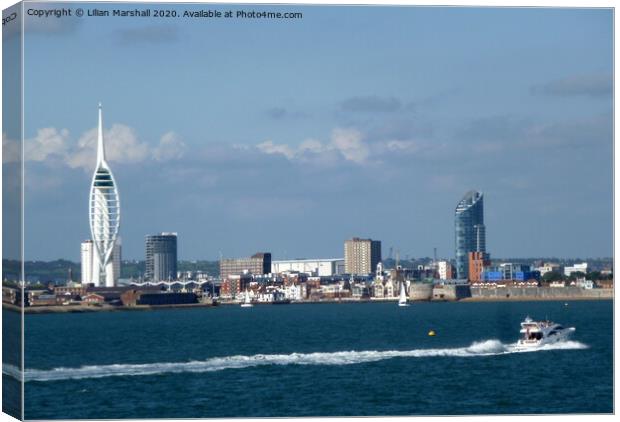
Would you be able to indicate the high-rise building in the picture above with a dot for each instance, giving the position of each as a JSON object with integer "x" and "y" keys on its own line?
{"x": 259, "y": 263}
{"x": 161, "y": 257}
{"x": 117, "y": 256}
{"x": 89, "y": 261}
{"x": 470, "y": 234}
{"x": 104, "y": 215}
{"x": 87, "y": 255}
{"x": 361, "y": 256}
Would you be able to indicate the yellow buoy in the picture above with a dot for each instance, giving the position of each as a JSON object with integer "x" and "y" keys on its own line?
{"x": 431, "y": 333}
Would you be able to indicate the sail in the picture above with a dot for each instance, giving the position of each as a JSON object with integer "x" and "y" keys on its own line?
{"x": 403, "y": 295}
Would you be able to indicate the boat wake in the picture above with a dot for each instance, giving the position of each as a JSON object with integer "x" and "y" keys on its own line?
{"x": 484, "y": 348}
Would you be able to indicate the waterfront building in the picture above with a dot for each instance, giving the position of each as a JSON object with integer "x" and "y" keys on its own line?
{"x": 470, "y": 233}
{"x": 234, "y": 284}
{"x": 548, "y": 267}
{"x": 508, "y": 271}
{"x": 582, "y": 268}
{"x": 104, "y": 215}
{"x": 259, "y": 263}
{"x": 361, "y": 256}
{"x": 445, "y": 270}
{"x": 476, "y": 264}
{"x": 312, "y": 267}
{"x": 90, "y": 263}
{"x": 161, "y": 257}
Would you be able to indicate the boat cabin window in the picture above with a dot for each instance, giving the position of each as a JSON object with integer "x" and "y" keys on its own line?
{"x": 533, "y": 336}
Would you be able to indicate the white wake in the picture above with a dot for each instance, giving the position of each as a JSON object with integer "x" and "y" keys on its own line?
{"x": 484, "y": 348}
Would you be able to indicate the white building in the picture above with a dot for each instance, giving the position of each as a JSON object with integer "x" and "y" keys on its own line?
{"x": 104, "y": 216}
{"x": 445, "y": 270}
{"x": 583, "y": 267}
{"x": 86, "y": 257}
{"x": 312, "y": 267}
{"x": 548, "y": 267}
{"x": 295, "y": 292}
{"x": 89, "y": 261}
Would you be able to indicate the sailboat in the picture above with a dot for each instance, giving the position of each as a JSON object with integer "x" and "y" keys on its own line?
{"x": 246, "y": 301}
{"x": 402, "y": 299}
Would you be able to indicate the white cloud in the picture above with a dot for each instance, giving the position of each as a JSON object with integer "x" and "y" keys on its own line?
{"x": 47, "y": 143}
{"x": 349, "y": 143}
{"x": 345, "y": 144}
{"x": 268, "y": 147}
{"x": 170, "y": 147}
{"x": 122, "y": 145}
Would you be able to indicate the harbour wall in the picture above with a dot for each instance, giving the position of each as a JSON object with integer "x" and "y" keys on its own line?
{"x": 420, "y": 291}
{"x": 451, "y": 292}
{"x": 540, "y": 293}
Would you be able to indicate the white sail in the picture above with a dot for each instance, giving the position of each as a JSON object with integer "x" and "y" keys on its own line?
{"x": 402, "y": 299}
{"x": 246, "y": 301}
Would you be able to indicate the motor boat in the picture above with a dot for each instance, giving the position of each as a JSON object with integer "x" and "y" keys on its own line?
{"x": 539, "y": 333}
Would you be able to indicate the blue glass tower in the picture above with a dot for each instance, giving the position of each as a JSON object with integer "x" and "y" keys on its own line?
{"x": 470, "y": 235}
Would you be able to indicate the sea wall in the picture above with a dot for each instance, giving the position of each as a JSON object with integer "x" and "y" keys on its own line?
{"x": 570, "y": 292}
{"x": 420, "y": 291}
{"x": 451, "y": 292}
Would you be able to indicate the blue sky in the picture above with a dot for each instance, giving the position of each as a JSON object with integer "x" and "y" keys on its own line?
{"x": 292, "y": 136}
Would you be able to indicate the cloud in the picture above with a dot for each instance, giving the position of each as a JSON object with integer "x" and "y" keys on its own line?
{"x": 268, "y": 147}
{"x": 153, "y": 34}
{"x": 353, "y": 146}
{"x": 372, "y": 103}
{"x": 121, "y": 146}
{"x": 170, "y": 147}
{"x": 345, "y": 142}
{"x": 593, "y": 85}
{"x": 349, "y": 143}
{"x": 48, "y": 142}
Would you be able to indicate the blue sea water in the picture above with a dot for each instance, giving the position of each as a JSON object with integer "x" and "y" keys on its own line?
{"x": 316, "y": 360}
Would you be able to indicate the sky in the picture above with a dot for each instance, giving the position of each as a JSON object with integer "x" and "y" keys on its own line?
{"x": 290, "y": 136}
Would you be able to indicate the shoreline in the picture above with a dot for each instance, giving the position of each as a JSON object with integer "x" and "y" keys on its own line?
{"x": 110, "y": 308}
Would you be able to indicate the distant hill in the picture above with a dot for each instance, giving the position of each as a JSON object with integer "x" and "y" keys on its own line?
{"x": 58, "y": 271}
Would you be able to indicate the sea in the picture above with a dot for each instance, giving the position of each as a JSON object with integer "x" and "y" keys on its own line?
{"x": 333, "y": 359}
